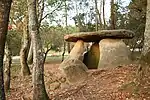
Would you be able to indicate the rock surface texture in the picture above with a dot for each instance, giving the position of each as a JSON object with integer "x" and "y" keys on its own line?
{"x": 74, "y": 70}
{"x": 91, "y": 58}
{"x": 113, "y": 53}
{"x": 72, "y": 67}
{"x": 99, "y": 35}
{"x": 78, "y": 50}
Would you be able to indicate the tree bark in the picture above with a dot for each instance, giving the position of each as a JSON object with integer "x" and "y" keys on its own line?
{"x": 66, "y": 24}
{"x": 40, "y": 13}
{"x": 7, "y": 66}
{"x": 30, "y": 54}
{"x": 80, "y": 26}
{"x": 112, "y": 15}
{"x": 100, "y": 13}
{"x": 98, "y": 17}
{"x": 146, "y": 48}
{"x": 64, "y": 50}
{"x": 45, "y": 54}
{"x": 5, "y": 6}
{"x": 25, "y": 71}
{"x": 68, "y": 47}
{"x": 104, "y": 14}
{"x": 40, "y": 18}
{"x": 39, "y": 91}
{"x": 79, "y": 22}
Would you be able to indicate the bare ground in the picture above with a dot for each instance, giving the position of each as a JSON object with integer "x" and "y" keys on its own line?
{"x": 103, "y": 84}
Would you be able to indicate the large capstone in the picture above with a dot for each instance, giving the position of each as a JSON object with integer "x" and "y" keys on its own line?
{"x": 74, "y": 70}
{"x": 91, "y": 58}
{"x": 113, "y": 53}
{"x": 99, "y": 35}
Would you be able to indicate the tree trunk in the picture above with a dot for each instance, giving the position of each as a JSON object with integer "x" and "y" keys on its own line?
{"x": 45, "y": 54}
{"x": 68, "y": 47}
{"x": 66, "y": 24}
{"x": 112, "y": 15}
{"x": 96, "y": 23}
{"x": 100, "y": 13}
{"x": 64, "y": 50}
{"x": 146, "y": 48}
{"x": 24, "y": 51}
{"x": 98, "y": 17}
{"x": 30, "y": 54}
{"x": 39, "y": 91}
{"x": 104, "y": 14}
{"x": 5, "y": 6}
{"x": 7, "y": 67}
{"x": 40, "y": 12}
{"x": 80, "y": 26}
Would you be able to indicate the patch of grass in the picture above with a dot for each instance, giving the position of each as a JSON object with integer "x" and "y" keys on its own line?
{"x": 15, "y": 69}
{"x": 49, "y": 59}
{"x": 54, "y": 59}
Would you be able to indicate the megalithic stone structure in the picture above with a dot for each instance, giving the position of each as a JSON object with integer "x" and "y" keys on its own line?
{"x": 107, "y": 50}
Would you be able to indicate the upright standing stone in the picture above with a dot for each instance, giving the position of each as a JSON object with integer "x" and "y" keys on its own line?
{"x": 78, "y": 50}
{"x": 74, "y": 70}
{"x": 113, "y": 53}
{"x": 72, "y": 67}
{"x": 91, "y": 58}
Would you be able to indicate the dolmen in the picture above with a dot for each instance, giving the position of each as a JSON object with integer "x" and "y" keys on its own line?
{"x": 107, "y": 50}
